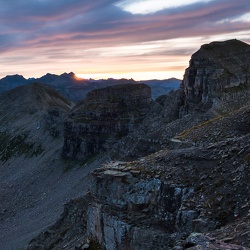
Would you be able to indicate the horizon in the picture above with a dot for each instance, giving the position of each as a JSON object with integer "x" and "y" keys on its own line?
{"x": 101, "y": 39}
{"x": 78, "y": 77}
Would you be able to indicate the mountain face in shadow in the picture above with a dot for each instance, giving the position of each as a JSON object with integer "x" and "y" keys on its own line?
{"x": 10, "y": 82}
{"x": 103, "y": 118}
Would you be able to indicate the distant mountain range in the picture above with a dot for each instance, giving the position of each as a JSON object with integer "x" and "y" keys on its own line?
{"x": 75, "y": 89}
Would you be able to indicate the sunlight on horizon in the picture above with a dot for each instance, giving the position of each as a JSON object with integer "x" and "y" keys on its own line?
{"x": 137, "y": 76}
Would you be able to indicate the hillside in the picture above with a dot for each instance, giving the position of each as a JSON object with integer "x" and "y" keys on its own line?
{"x": 34, "y": 181}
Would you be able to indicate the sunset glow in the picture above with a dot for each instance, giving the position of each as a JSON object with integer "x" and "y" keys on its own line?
{"x": 102, "y": 39}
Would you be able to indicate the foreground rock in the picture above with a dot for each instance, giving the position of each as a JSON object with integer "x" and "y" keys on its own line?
{"x": 158, "y": 201}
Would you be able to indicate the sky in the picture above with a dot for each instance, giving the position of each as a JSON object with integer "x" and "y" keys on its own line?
{"x": 139, "y": 39}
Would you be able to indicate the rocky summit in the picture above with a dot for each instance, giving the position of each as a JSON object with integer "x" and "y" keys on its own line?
{"x": 214, "y": 67}
{"x": 104, "y": 117}
{"x": 172, "y": 173}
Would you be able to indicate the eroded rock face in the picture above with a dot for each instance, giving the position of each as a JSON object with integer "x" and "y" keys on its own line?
{"x": 157, "y": 201}
{"x": 104, "y": 117}
{"x": 129, "y": 210}
{"x": 216, "y": 66}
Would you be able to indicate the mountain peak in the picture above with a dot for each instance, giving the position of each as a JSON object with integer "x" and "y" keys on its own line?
{"x": 231, "y": 42}
{"x": 68, "y": 75}
{"x": 215, "y": 67}
{"x": 14, "y": 77}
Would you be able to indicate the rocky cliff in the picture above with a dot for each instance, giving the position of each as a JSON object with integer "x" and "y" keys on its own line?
{"x": 103, "y": 118}
{"x": 214, "y": 67}
{"x": 158, "y": 201}
{"x": 215, "y": 83}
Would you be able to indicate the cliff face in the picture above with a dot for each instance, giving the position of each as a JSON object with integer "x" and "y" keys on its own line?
{"x": 214, "y": 67}
{"x": 104, "y": 117}
{"x": 131, "y": 210}
{"x": 158, "y": 201}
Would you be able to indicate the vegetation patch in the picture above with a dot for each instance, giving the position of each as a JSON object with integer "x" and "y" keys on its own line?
{"x": 203, "y": 124}
{"x": 18, "y": 145}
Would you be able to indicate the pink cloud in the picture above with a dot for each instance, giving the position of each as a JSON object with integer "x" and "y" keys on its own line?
{"x": 70, "y": 32}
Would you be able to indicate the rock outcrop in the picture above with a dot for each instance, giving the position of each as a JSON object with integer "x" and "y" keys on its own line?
{"x": 214, "y": 67}
{"x": 157, "y": 201}
{"x": 103, "y": 118}
{"x": 132, "y": 210}
{"x": 68, "y": 232}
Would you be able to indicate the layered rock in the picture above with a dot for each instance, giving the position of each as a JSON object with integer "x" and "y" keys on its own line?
{"x": 104, "y": 117}
{"x": 131, "y": 210}
{"x": 214, "y": 67}
{"x": 157, "y": 201}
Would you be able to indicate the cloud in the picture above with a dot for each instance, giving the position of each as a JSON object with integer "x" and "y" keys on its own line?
{"x": 45, "y": 22}
{"x": 151, "y": 6}
{"x": 95, "y": 30}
